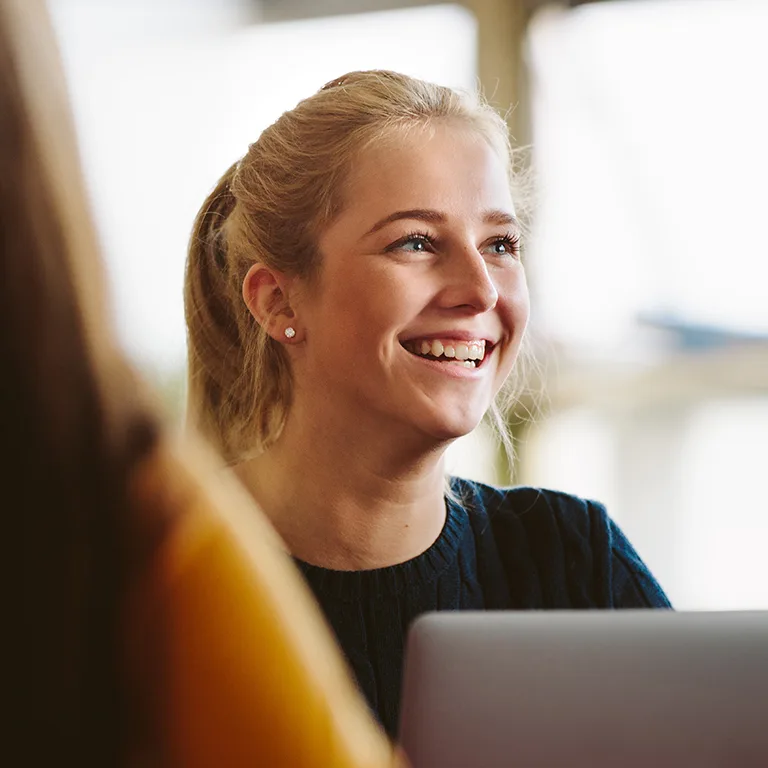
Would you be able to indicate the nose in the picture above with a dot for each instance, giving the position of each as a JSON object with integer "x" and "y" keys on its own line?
{"x": 469, "y": 285}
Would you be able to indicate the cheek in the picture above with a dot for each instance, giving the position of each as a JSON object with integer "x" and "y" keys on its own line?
{"x": 336, "y": 304}
{"x": 514, "y": 301}
{"x": 352, "y": 312}
{"x": 375, "y": 300}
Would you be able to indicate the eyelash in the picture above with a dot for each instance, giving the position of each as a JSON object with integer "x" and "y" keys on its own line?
{"x": 510, "y": 239}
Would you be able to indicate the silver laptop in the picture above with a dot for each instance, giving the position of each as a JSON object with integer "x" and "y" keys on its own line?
{"x": 618, "y": 689}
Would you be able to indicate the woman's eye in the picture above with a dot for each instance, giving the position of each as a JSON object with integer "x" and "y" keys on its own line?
{"x": 505, "y": 246}
{"x": 416, "y": 244}
{"x": 412, "y": 244}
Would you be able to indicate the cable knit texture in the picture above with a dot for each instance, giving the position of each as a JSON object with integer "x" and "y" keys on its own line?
{"x": 500, "y": 548}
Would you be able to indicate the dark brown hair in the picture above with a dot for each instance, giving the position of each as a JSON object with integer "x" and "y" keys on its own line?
{"x": 72, "y": 421}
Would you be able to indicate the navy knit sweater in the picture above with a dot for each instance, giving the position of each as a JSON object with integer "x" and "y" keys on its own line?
{"x": 519, "y": 549}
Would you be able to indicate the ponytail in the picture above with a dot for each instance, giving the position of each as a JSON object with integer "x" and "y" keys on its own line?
{"x": 238, "y": 377}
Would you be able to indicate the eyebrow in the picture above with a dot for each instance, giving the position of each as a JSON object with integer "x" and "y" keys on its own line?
{"x": 501, "y": 218}
{"x": 496, "y": 216}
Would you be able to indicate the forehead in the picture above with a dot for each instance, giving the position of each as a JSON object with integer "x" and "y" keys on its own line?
{"x": 444, "y": 167}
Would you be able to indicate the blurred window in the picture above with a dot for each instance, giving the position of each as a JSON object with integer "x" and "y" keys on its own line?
{"x": 650, "y": 267}
{"x": 167, "y": 96}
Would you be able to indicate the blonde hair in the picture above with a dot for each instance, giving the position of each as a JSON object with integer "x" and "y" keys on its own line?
{"x": 270, "y": 207}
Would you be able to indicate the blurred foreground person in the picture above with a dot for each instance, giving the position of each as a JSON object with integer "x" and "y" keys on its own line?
{"x": 159, "y": 622}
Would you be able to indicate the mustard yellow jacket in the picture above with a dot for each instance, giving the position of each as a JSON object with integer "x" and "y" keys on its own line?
{"x": 225, "y": 648}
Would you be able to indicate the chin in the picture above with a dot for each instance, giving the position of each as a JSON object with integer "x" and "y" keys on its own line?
{"x": 447, "y": 430}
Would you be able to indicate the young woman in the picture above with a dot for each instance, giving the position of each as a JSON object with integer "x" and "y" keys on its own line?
{"x": 355, "y": 301}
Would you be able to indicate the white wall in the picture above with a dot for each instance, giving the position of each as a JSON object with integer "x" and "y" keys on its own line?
{"x": 167, "y": 95}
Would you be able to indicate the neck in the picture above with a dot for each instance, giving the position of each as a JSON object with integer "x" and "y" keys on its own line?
{"x": 349, "y": 498}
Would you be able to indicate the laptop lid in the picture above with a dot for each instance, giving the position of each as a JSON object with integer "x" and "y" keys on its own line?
{"x": 586, "y": 689}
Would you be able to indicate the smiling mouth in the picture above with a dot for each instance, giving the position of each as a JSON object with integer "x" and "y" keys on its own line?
{"x": 470, "y": 354}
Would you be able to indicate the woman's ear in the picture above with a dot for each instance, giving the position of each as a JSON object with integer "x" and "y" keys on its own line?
{"x": 265, "y": 292}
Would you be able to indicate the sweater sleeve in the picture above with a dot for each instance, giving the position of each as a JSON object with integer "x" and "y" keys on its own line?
{"x": 632, "y": 584}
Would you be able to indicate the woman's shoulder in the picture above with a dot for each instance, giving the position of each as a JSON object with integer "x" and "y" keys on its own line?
{"x": 547, "y": 529}
{"x": 563, "y": 550}
{"x": 532, "y": 507}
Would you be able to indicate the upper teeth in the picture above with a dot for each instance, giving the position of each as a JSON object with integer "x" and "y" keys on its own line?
{"x": 470, "y": 350}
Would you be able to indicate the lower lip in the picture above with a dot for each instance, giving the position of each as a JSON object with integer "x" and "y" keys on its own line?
{"x": 451, "y": 369}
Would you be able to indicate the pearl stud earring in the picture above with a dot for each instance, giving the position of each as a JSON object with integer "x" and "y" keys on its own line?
{"x": 289, "y": 332}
